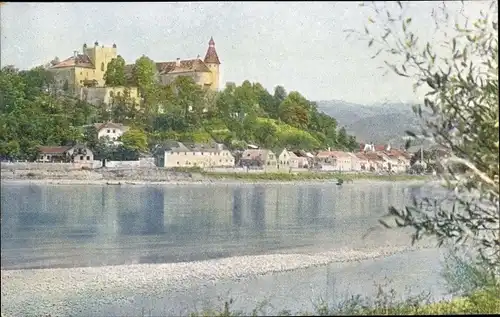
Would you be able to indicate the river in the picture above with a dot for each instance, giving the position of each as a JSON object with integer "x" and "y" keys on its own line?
{"x": 64, "y": 227}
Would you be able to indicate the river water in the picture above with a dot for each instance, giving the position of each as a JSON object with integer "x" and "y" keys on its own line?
{"x": 51, "y": 226}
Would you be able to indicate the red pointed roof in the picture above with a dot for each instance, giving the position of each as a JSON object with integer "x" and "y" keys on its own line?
{"x": 211, "y": 56}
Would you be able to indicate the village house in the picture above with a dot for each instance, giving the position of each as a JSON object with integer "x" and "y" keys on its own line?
{"x": 291, "y": 159}
{"x": 261, "y": 158}
{"x": 390, "y": 161}
{"x": 355, "y": 164}
{"x": 111, "y": 130}
{"x": 176, "y": 154}
{"x": 285, "y": 159}
{"x": 325, "y": 160}
{"x": 400, "y": 160}
{"x": 65, "y": 154}
{"x": 335, "y": 161}
{"x": 303, "y": 159}
{"x": 363, "y": 163}
{"x": 375, "y": 162}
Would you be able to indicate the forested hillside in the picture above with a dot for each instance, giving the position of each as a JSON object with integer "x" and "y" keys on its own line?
{"x": 33, "y": 113}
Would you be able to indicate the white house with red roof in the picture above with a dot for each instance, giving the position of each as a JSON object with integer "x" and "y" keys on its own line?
{"x": 60, "y": 154}
{"x": 335, "y": 161}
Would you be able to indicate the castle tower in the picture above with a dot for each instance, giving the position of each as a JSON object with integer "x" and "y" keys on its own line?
{"x": 100, "y": 57}
{"x": 212, "y": 61}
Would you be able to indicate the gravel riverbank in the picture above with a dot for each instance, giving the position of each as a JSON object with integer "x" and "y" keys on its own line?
{"x": 80, "y": 291}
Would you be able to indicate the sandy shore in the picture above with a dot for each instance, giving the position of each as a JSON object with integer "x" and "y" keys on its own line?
{"x": 64, "y": 292}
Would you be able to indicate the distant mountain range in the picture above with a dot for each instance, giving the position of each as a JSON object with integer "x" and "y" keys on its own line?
{"x": 377, "y": 123}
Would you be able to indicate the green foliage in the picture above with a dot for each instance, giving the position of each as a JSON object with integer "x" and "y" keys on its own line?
{"x": 385, "y": 303}
{"x": 115, "y": 72}
{"x": 123, "y": 108}
{"x": 460, "y": 115}
{"x": 90, "y": 136}
{"x": 31, "y": 114}
{"x": 34, "y": 114}
{"x": 135, "y": 140}
{"x": 144, "y": 75}
{"x": 294, "y": 110}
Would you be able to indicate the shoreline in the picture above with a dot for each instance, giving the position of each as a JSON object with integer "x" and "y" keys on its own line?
{"x": 59, "y": 291}
{"x": 132, "y": 182}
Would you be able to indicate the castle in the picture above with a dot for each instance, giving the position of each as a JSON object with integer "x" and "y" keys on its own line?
{"x": 83, "y": 73}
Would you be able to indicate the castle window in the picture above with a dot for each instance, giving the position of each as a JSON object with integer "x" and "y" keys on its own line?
{"x": 102, "y": 66}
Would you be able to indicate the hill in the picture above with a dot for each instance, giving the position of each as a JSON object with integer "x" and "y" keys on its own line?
{"x": 378, "y": 123}
{"x": 35, "y": 111}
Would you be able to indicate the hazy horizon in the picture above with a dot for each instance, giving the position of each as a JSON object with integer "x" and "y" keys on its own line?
{"x": 298, "y": 45}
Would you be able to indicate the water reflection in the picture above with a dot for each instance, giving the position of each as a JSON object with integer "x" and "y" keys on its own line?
{"x": 161, "y": 224}
{"x": 258, "y": 208}
{"x": 237, "y": 205}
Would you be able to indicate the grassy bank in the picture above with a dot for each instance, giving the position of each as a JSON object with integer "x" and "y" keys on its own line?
{"x": 304, "y": 176}
{"x": 484, "y": 301}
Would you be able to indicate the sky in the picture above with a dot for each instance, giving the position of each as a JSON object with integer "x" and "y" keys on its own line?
{"x": 299, "y": 45}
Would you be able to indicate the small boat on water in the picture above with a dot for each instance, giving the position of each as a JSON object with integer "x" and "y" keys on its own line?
{"x": 340, "y": 181}
{"x": 110, "y": 183}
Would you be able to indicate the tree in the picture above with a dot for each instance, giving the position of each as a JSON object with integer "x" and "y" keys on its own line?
{"x": 189, "y": 97}
{"x": 294, "y": 110}
{"x": 265, "y": 134}
{"x": 135, "y": 140}
{"x": 104, "y": 150}
{"x": 342, "y": 138}
{"x": 461, "y": 86}
{"x": 144, "y": 75}
{"x": 123, "y": 107}
{"x": 265, "y": 100}
{"x": 115, "y": 72}
{"x": 90, "y": 136}
{"x": 12, "y": 89}
{"x": 31, "y": 116}
{"x": 37, "y": 80}
{"x": 279, "y": 94}
{"x": 298, "y": 140}
{"x": 10, "y": 149}
{"x": 225, "y": 101}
